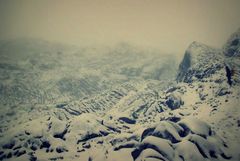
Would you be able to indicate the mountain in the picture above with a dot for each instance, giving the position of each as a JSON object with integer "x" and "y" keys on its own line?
{"x": 232, "y": 46}
{"x": 40, "y": 72}
{"x": 199, "y": 62}
{"x": 123, "y": 104}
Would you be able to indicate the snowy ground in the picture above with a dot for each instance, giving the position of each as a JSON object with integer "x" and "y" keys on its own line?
{"x": 137, "y": 117}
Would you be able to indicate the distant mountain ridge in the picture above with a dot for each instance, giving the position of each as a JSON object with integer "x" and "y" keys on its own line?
{"x": 38, "y": 71}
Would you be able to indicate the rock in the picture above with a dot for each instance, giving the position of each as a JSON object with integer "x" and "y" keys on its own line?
{"x": 88, "y": 136}
{"x": 20, "y": 152}
{"x": 33, "y": 158}
{"x": 147, "y": 132}
{"x": 199, "y": 62}
{"x": 173, "y": 118}
{"x": 90, "y": 159}
{"x": 45, "y": 143}
{"x": 168, "y": 130}
{"x": 174, "y": 101}
{"x": 34, "y": 147}
{"x": 61, "y": 149}
{"x": 130, "y": 144}
{"x": 195, "y": 126}
{"x": 56, "y": 158}
{"x": 9, "y": 155}
{"x": 222, "y": 91}
{"x": 202, "y": 96}
{"x": 188, "y": 151}
{"x": 62, "y": 105}
{"x": 160, "y": 145}
{"x": 86, "y": 145}
{"x": 232, "y": 46}
{"x": 189, "y": 139}
{"x": 127, "y": 120}
{"x": 238, "y": 123}
{"x": 59, "y": 129}
{"x": 9, "y": 145}
{"x": 33, "y": 143}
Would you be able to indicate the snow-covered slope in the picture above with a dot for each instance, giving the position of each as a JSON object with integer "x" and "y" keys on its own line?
{"x": 199, "y": 62}
{"x": 39, "y": 72}
{"x": 136, "y": 117}
{"x": 232, "y": 46}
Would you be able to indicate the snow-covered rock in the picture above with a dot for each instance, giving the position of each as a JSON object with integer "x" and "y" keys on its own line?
{"x": 114, "y": 107}
{"x": 190, "y": 139}
{"x": 174, "y": 101}
{"x": 232, "y": 46}
{"x": 200, "y": 61}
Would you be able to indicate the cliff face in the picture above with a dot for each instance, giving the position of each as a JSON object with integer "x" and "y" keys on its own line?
{"x": 232, "y": 46}
{"x": 199, "y": 62}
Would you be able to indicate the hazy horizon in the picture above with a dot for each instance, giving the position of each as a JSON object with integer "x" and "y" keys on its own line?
{"x": 167, "y": 25}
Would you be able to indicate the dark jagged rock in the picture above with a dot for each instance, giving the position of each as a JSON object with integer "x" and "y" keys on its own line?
{"x": 9, "y": 145}
{"x": 61, "y": 135}
{"x": 174, "y": 118}
{"x": 61, "y": 149}
{"x": 131, "y": 144}
{"x": 223, "y": 91}
{"x": 88, "y": 137}
{"x": 20, "y": 152}
{"x": 33, "y": 158}
{"x": 45, "y": 144}
{"x": 127, "y": 120}
{"x": 86, "y": 145}
{"x": 56, "y": 158}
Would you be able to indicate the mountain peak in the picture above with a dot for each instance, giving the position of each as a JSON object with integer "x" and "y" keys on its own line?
{"x": 232, "y": 46}
{"x": 196, "y": 62}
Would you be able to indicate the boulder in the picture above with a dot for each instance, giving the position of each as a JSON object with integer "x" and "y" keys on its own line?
{"x": 174, "y": 101}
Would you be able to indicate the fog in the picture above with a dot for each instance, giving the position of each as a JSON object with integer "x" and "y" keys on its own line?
{"x": 167, "y": 25}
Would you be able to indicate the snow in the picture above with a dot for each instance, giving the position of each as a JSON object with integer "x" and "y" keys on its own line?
{"x": 232, "y": 46}
{"x": 162, "y": 146}
{"x": 168, "y": 130}
{"x": 188, "y": 151}
{"x": 115, "y": 107}
{"x": 196, "y": 126}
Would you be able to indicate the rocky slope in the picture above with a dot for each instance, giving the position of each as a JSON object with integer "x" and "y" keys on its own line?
{"x": 196, "y": 117}
{"x": 39, "y": 72}
{"x": 232, "y": 47}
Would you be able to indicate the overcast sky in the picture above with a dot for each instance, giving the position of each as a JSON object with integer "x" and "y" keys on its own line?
{"x": 170, "y": 25}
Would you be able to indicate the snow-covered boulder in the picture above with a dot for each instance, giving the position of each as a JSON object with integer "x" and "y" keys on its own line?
{"x": 194, "y": 126}
{"x": 189, "y": 139}
{"x": 86, "y": 127}
{"x": 168, "y": 130}
{"x": 200, "y": 61}
{"x": 174, "y": 100}
{"x": 188, "y": 151}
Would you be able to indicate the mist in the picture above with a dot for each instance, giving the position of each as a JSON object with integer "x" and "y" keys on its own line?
{"x": 167, "y": 25}
{"x": 119, "y": 80}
